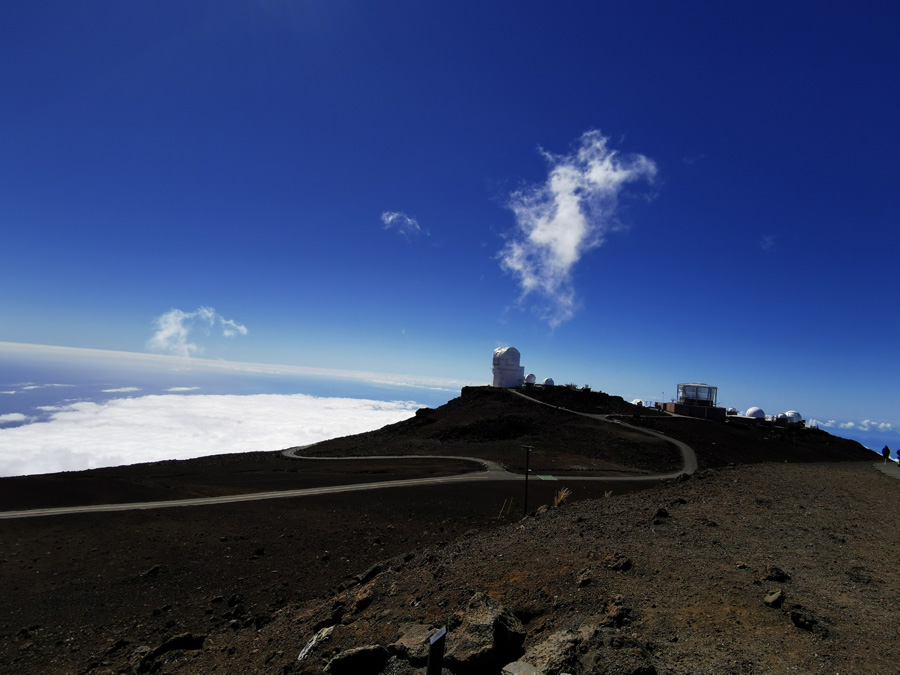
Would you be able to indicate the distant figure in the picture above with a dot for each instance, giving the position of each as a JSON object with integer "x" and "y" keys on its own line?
{"x": 886, "y": 453}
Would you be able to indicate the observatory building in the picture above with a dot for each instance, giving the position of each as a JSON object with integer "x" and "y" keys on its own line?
{"x": 507, "y": 371}
{"x": 696, "y": 400}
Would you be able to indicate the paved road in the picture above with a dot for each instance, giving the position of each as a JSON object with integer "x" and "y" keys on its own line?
{"x": 891, "y": 468}
{"x": 256, "y": 496}
{"x": 491, "y": 472}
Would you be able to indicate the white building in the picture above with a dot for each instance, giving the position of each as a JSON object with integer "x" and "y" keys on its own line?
{"x": 507, "y": 371}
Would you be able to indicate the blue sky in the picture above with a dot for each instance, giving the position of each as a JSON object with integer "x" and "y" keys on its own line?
{"x": 632, "y": 194}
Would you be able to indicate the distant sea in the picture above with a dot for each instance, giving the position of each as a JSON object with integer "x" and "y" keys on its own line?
{"x": 65, "y": 409}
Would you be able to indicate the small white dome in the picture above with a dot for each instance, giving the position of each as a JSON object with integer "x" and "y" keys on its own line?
{"x": 638, "y": 401}
{"x": 530, "y": 378}
{"x": 793, "y": 416}
{"x": 756, "y": 412}
{"x": 548, "y": 382}
{"x": 731, "y": 411}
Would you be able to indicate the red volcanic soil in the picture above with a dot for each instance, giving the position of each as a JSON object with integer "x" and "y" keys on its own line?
{"x": 243, "y": 587}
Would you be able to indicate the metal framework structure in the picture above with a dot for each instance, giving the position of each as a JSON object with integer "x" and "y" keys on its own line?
{"x": 698, "y": 394}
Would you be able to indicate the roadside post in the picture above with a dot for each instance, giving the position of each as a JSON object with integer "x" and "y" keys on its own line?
{"x": 436, "y": 652}
{"x": 528, "y": 449}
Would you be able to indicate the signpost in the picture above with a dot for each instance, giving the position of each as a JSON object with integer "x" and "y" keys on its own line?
{"x": 436, "y": 652}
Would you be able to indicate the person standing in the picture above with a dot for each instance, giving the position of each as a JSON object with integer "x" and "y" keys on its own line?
{"x": 886, "y": 453}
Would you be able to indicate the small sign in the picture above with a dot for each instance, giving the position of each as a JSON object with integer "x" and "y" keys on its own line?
{"x": 436, "y": 652}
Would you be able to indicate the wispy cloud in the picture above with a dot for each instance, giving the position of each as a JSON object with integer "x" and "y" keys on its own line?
{"x": 121, "y": 390}
{"x": 85, "y": 434}
{"x": 564, "y": 218}
{"x": 402, "y": 223}
{"x": 767, "y": 242}
{"x": 173, "y": 330}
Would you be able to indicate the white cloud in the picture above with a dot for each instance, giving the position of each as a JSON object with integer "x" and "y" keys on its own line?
{"x": 121, "y": 390}
{"x": 816, "y": 423}
{"x": 404, "y": 224}
{"x": 767, "y": 242}
{"x": 564, "y": 218}
{"x": 179, "y": 389}
{"x": 151, "y": 428}
{"x": 866, "y": 425}
{"x": 175, "y": 326}
{"x": 13, "y": 418}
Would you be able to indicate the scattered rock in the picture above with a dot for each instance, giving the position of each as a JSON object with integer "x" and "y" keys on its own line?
{"x": 661, "y": 513}
{"x": 152, "y": 572}
{"x": 774, "y": 599}
{"x": 520, "y": 668}
{"x": 370, "y": 573}
{"x": 364, "y": 597}
{"x": 182, "y": 641}
{"x": 557, "y": 653}
{"x": 320, "y": 636}
{"x": 617, "y": 613}
{"x": 368, "y": 659}
{"x": 776, "y": 574}
{"x": 413, "y": 644}
{"x": 802, "y": 621}
{"x": 617, "y": 562}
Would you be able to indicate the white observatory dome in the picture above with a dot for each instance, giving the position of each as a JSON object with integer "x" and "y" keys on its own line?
{"x": 793, "y": 417}
{"x": 758, "y": 413}
{"x": 638, "y": 402}
{"x": 530, "y": 378}
{"x": 731, "y": 411}
{"x": 548, "y": 382}
{"x": 506, "y": 370}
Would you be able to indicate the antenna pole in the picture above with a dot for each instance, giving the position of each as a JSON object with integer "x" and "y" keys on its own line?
{"x": 528, "y": 449}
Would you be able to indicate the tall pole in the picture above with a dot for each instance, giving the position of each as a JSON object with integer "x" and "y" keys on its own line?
{"x": 527, "y": 471}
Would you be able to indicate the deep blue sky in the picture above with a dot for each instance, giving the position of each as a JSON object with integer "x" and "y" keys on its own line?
{"x": 244, "y": 157}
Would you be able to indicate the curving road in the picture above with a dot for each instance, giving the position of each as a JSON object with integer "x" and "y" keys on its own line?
{"x": 491, "y": 472}
{"x": 688, "y": 456}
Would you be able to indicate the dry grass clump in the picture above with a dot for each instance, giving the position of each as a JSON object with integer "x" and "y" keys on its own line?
{"x": 561, "y": 496}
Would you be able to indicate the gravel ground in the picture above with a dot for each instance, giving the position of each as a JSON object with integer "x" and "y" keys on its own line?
{"x": 670, "y": 579}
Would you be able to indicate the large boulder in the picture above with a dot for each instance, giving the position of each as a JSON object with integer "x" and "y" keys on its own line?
{"x": 488, "y": 637}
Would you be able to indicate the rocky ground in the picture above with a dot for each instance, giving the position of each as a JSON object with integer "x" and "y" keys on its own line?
{"x": 758, "y": 567}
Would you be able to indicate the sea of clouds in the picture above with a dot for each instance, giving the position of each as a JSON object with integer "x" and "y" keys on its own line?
{"x": 88, "y": 434}
{"x": 65, "y": 409}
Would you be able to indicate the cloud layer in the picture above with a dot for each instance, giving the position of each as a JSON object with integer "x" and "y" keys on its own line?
{"x": 173, "y": 330}
{"x": 565, "y": 217}
{"x": 150, "y": 428}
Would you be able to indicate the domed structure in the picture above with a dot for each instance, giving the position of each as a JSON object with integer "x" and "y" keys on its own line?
{"x": 507, "y": 372}
{"x": 793, "y": 417}
{"x": 548, "y": 382}
{"x": 638, "y": 402}
{"x": 731, "y": 411}
{"x": 530, "y": 378}
{"x": 758, "y": 413}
